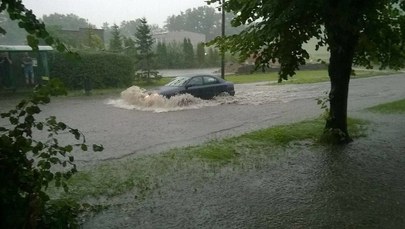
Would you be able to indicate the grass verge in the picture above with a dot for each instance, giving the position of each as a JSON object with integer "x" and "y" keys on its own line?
{"x": 301, "y": 77}
{"x": 142, "y": 175}
{"x": 392, "y": 107}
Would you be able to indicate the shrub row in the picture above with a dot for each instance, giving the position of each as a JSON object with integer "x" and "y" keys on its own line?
{"x": 100, "y": 69}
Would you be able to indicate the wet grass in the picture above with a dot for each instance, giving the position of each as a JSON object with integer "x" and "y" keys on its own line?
{"x": 302, "y": 77}
{"x": 392, "y": 107}
{"x": 144, "y": 174}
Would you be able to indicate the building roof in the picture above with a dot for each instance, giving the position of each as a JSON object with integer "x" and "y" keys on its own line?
{"x": 23, "y": 48}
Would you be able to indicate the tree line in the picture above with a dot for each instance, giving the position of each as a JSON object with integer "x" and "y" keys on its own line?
{"x": 121, "y": 38}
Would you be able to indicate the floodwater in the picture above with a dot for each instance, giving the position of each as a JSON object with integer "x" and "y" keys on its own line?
{"x": 138, "y": 99}
{"x": 135, "y": 98}
{"x": 356, "y": 186}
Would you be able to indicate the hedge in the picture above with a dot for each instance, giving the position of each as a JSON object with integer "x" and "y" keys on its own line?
{"x": 103, "y": 69}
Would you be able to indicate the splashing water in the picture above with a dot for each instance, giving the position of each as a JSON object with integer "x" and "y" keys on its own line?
{"x": 138, "y": 99}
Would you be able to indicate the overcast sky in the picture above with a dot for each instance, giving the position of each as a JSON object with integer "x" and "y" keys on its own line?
{"x": 114, "y": 11}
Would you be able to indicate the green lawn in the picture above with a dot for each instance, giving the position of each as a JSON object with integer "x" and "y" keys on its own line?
{"x": 393, "y": 107}
{"x": 303, "y": 76}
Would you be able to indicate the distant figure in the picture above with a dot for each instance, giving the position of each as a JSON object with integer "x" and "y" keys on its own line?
{"x": 5, "y": 78}
{"x": 28, "y": 69}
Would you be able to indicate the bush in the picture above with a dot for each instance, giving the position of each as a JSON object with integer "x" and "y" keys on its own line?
{"x": 30, "y": 161}
{"x": 100, "y": 69}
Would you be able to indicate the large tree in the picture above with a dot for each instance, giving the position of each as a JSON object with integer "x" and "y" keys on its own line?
{"x": 143, "y": 44}
{"x": 66, "y": 21}
{"x": 204, "y": 19}
{"x": 116, "y": 40}
{"x": 188, "y": 51}
{"x": 361, "y": 32}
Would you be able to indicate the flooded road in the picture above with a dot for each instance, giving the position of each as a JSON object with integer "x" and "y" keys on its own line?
{"x": 127, "y": 131}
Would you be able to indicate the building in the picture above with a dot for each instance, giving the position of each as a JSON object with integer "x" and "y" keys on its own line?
{"x": 80, "y": 36}
{"x": 178, "y": 36}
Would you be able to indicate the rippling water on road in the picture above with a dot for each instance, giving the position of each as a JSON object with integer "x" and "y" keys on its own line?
{"x": 135, "y": 98}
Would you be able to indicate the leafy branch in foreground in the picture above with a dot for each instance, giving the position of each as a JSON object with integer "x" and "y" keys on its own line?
{"x": 32, "y": 156}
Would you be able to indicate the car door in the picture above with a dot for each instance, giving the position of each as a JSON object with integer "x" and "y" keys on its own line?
{"x": 195, "y": 87}
{"x": 213, "y": 86}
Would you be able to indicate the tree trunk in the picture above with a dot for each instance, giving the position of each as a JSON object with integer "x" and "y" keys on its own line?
{"x": 340, "y": 67}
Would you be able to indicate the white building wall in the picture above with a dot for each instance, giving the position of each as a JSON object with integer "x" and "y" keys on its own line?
{"x": 178, "y": 36}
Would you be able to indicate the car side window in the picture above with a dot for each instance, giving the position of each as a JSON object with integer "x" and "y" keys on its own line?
{"x": 210, "y": 80}
{"x": 196, "y": 81}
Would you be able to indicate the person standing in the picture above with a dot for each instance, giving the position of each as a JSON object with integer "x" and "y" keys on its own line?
{"x": 28, "y": 69}
{"x": 5, "y": 78}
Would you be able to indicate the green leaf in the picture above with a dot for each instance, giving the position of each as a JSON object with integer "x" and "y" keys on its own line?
{"x": 76, "y": 133}
{"x": 61, "y": 47}
{"x": 33, "y": 110}
{"x": 62, "y": 125}
{"x": 32, "y": 42}
{"x": 84, "y": 147}
{"x": 68, "y": 148}
{"x": 40, "y": 126}
{"x": 98, "y": 148}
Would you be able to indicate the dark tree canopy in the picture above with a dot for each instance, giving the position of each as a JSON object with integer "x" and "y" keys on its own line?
{"x": 188, "y": 51}
{"x": 204, "y": 19}
{"x": 67, "y": 22}
{"x": 362, "y": 32}
{"x": 144, "y": 53}
{"x": 116, "y": 40}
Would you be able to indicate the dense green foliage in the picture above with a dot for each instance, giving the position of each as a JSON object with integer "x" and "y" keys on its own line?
{"x": 188, "y": 50}
{"x": 200, "y": 55}
{"x": 68, "y": 21}
{"x": 32, "y": 156}
{"x": 115, "y": 41}
{"x": 206, "y": 20}
{"x": 145, "y": 58}
{"x": 103, "y": 69}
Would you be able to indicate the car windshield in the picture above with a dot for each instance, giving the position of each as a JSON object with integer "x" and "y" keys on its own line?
{"x": 178, "y": 81}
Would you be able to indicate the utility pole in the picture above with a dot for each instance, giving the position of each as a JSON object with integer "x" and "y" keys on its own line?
{"x": 223, "y": 35}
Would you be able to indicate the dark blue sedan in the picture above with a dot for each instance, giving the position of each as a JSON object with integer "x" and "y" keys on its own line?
{"x": 201, "y": 86}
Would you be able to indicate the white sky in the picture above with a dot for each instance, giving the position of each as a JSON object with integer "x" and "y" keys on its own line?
{"x": 114, "y": 11}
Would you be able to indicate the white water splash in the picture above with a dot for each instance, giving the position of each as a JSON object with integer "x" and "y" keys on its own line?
{"x": 250, "y": 94}
{"x": 138, "y": 99}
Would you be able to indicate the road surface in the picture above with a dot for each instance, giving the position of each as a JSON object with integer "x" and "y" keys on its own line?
{"x": 130, "y": 132}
